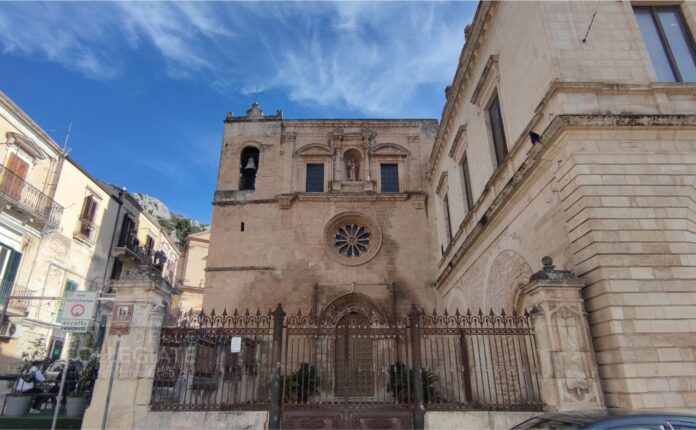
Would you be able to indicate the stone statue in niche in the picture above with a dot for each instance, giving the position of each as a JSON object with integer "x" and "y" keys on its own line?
{"x": 351, "y": 160}
{"x": 352, "y": 170}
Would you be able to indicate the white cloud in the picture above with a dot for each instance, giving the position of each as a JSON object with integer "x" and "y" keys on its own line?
{"x": 373, "y": 58}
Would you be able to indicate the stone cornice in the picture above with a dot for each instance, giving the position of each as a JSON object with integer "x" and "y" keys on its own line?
{"x": 553, "y": 131}
{"x": 462, "y": 77}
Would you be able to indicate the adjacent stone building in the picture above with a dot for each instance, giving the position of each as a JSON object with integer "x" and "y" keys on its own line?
{"x": 569, "y": 131}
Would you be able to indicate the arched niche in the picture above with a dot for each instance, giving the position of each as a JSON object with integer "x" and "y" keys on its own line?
{"x": 352, "y": 164}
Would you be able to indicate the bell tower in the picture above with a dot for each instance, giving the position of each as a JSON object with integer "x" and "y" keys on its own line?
{"x": 248, "y": 160}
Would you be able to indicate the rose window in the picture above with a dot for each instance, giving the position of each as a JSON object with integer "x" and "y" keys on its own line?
{"x": 352, "y": 240}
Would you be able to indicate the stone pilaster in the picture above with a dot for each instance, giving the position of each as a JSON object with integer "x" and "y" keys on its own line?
{"x": 144, "y": 288}
{"x": 568, "y": 370}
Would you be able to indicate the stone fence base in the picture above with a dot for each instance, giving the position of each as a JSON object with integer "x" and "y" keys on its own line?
{"x": 236, "y": 420}
{"x": 493, "y": 420}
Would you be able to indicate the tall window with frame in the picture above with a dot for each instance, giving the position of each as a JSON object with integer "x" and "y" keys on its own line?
{"x": 669, "y": 42}
{"x": 390, "y": 177}
{"x": 315, "y": 178}
{"x": 495, "y": 116}
{"x": 466, "y": 183}
{"x": 87, "y": 227}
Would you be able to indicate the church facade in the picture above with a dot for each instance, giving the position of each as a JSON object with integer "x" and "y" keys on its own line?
{"x": 322, "y": 215}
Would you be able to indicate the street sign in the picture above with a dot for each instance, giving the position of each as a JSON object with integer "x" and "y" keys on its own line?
{"x": 121, "y": 319}
{"x": 78, "y": 311}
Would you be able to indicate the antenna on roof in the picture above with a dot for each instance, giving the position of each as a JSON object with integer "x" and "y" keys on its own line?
{"x": 67, "y": 136}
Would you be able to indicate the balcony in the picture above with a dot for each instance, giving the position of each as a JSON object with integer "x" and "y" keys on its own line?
{"x": 18, "y": 298}
{"x": 27, "y": 202}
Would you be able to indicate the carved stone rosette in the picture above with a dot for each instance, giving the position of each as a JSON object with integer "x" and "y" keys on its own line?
{"x": 352, "y": 238}
{"x": 569, "y": 374}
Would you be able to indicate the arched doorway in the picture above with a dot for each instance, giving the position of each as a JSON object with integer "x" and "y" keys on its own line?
{"x": 353, "y": 357}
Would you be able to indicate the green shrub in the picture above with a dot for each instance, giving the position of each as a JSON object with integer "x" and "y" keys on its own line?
{"x": 302, "y": 384}
{"x": 401, "y": 388}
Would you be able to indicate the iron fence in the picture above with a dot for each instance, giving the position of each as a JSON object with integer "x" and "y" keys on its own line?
{"x": 352, "y": 361}
{"x": 214, "y": 362}
{"x": 480, "y": 361}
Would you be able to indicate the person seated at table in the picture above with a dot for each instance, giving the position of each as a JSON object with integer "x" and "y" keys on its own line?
{"x": 70, "y": 383}
{"x": 27, "y": 384}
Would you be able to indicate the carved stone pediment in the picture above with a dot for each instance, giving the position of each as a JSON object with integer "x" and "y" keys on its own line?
{"x": 25, "y": 144}
{"x": 389, "y": 150}
{"x": 314, "y": 150}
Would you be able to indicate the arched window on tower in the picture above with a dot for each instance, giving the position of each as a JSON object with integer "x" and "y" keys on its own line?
{"x": 248, "y": 168}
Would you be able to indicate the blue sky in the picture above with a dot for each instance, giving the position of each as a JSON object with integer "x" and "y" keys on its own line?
{"x": 147, "y": 84}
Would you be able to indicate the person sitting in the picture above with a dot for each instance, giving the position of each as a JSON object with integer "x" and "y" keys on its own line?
{"x": 26, "y": 384}
{"x": 70, "y": 383}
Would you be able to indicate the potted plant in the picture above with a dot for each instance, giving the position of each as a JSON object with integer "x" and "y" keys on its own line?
{"x": 76, "y": 401}
{"x": 302, "y": 384}
{"x": 400, "y": 384}
{"x": 17, "y": 404}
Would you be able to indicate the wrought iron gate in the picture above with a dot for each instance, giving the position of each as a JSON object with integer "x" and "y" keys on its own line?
{"x": 346, "y": 372}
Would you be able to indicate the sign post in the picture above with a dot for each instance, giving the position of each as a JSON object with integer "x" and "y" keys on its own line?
{"x": 77, "y": 317}
{"x": 120, "y": 325}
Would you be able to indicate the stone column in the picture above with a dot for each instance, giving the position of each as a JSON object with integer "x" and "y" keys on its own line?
{"x": 568, "y": 377}
{"x": 151, "y": 296}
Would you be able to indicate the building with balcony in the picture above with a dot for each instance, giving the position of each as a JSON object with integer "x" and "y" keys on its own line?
{"x": 30, "y": 163}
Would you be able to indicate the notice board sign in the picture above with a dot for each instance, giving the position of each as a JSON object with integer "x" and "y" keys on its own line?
{"x": 121, "y": 318}
{"x": 78, "y": 311}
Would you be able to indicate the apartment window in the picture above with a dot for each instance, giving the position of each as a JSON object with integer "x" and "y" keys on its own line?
{"x": 669, "y": 42}
{"x": 390, "y": 178}
{"x": 149, "y": 245}
{"x": 466, "y": 183}
{"x": 448, "y": 222}
{"x": 87, "y": 216}
{"x": 315, "y": 178}
{"x": 125, "y": 238}
{"x": 495, "y": 117}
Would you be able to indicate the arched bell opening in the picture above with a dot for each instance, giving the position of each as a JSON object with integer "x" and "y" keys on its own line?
{"x": 248, "y": 167}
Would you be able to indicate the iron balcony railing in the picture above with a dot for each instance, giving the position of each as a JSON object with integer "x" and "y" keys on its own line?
{"x": 16, "y": 296}
{"x": 27, "y": 197}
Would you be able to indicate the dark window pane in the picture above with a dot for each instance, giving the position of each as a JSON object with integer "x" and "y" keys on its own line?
{"x": 390, "y": 178}
{"x": 676, "y": 34}
{"x": 448, "y": 222}
{"x": 315, "y": 178}
{"x": 497, "y": 130}
{"x": 466, "y": 184}
{"x": 656, "y": 49}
